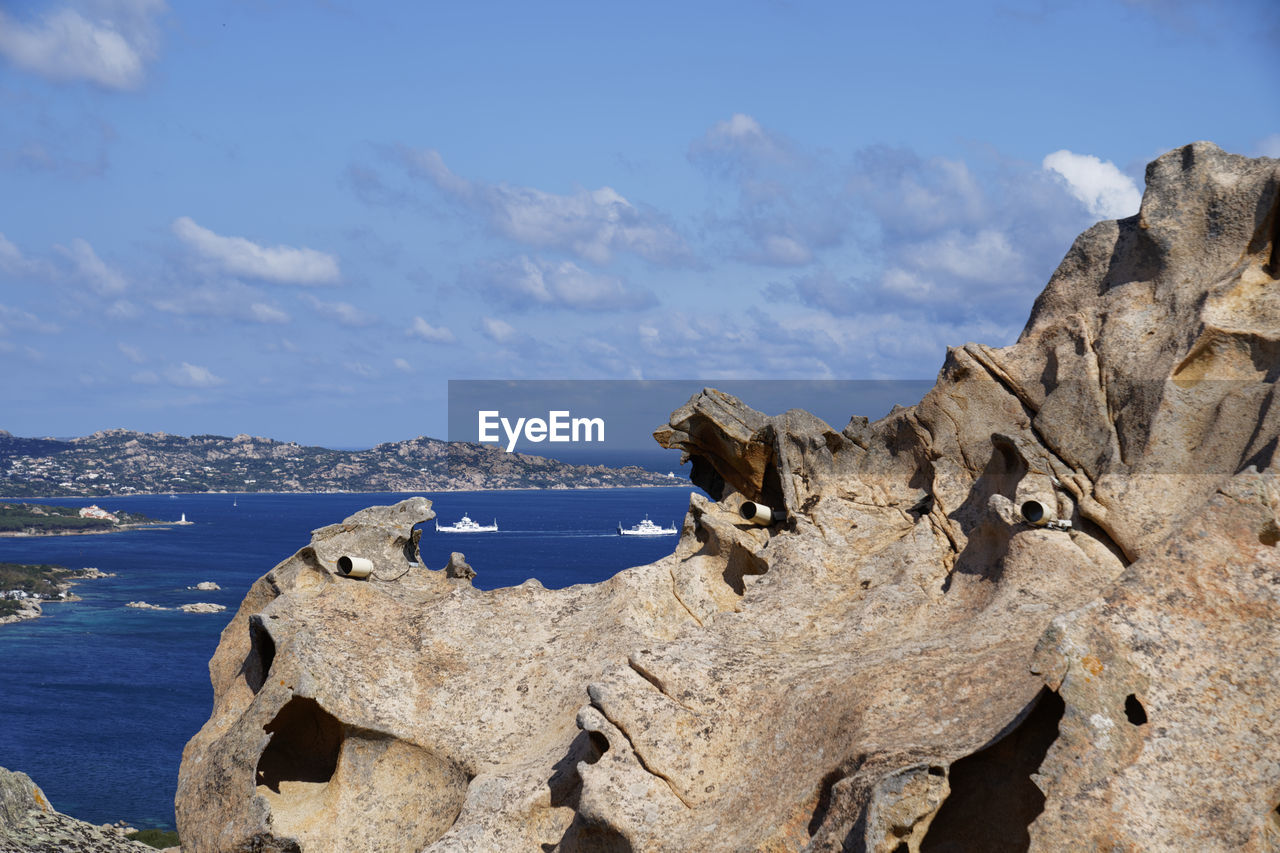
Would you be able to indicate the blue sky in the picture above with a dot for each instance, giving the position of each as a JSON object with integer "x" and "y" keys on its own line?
{"x": 300, "y": 219}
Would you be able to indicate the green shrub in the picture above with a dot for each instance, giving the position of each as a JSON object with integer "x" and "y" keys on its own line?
{"x": 158, "y": 838}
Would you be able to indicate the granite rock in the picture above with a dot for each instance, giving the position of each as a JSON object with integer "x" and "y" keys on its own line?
{"x": 907, "y": 658}
{"x": 30, "y": 824}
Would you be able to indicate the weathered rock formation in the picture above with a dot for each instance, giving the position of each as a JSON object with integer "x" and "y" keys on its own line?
{"x": 29, "y": 824}
{"x": 1038, "y": 609}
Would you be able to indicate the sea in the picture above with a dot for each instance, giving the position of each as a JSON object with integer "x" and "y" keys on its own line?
{"x": 97, "y": 699}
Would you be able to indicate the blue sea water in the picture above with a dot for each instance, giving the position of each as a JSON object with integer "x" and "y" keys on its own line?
{"x": 97, "y": 699}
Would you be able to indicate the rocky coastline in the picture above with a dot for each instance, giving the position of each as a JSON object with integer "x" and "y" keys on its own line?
{"x": 30, "y": 824}
{"x": 30, "y": 606}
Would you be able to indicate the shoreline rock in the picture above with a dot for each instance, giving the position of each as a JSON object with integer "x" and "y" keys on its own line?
{"x": 202, "y": 607}
{"x": 28, "y": 822}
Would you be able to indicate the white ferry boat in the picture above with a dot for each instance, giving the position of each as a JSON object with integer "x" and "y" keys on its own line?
{"x": 646, "y": 528}
{"x": 466, "y": 525}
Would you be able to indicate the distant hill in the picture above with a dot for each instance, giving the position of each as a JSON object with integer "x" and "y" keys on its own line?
{"x": 123, "y": 462}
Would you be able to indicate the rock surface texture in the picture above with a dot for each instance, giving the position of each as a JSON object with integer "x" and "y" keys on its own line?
{"x": 29, "y": 824}
{"x": 899, "y": 662}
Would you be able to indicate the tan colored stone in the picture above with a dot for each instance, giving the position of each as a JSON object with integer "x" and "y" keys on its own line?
{"x": 867, "y": 672}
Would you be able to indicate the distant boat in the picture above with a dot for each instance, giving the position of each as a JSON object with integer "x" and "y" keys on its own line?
{"x": 466, "y": 525}
{"x": 647, "y": 528}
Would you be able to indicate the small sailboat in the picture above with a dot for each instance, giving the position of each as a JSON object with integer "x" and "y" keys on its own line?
{"x": 466, "y": 525}
{"x": 646, "y": 528}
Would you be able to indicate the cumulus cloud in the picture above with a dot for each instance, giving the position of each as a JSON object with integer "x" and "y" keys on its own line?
{"x": 262, "y": 312}
{"x": 109, "y": 48}
{"x": 402, "y": 365}
{"x": 131, "y": 352}
{"x": 986, "y": 255}
{"x": 435, "y": 334}
{"x": 91, "y": 269}
{"x": 14, "y": 262}
{"x": 940, "y": 241}
{"x": 787, "y": 207}
{"x": 239, "y": 256}
{"x": 228, "y": 300}
{"x": 592, "y": 224}
{"x": 822, "y": 289}
{"x": 344, "y": 313}
{"x": 498, "y": 331}
{"x": 526, "y": 282}
{"x": 187, "y": 375}
{"x": 909, "y": 195}
{"x": 1270, "y": 146}
{"x": 739, "y": 144}
{"x": 1098, "y": 184}
{"x": 24, "y": 321}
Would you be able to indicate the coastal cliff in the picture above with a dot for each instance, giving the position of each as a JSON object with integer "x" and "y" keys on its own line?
{"x": 1037, "y": 610}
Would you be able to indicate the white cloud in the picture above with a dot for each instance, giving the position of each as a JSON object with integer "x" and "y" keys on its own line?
{"x": 230, "y": 300}
{"x": 984, "y": 256}
{"x": 435, "y": 334}
{"x": 1103, "y": 188}
{"x": 1270, "y": 146}
{"x": 592, "y": 224}
{"x": 261, "y": 312}
{"x": 344, "y": 313}
{"x": 13, "y": 262}
{"x": 122, "y": 309}
{"x": 533, "y": 282}
{"x": 131, "y": 352}
{"x": 239, "y": 256}
{"x": 188, "y": 375}
{"x": 789, "y": 204}
{"x": 92, "y": 270}
{"x": 781, "y": 250}
{"x": 402, "y": 365}
{"x": 24, "y": 321}
{"x": 909, "y": 195}
{"x": 498, "y": 331}
{"x": 740, "y": 144}
{"x": 145, "y": 377}
{"x": 111, "y": 49}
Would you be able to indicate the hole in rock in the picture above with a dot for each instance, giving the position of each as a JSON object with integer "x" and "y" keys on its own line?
{"x": 937, "y": 771}
{"x": 599, "y": 746}
{"x": 262, "y": 653}
{"x": 1269, "y": 534}
{"x": 304, "y": 746}
{"x": 582, "y": 835}
{"x": 705, "y": 476}
{"x": 992, "y": 799}
{"x": 1134, "y": 711}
